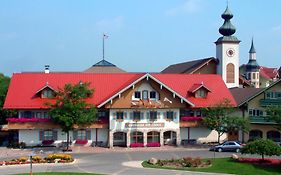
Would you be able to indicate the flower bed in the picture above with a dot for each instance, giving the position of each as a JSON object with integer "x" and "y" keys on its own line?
{"x": 81, "y": 142}
{"x": 47, "y": 142}
{"x": 134, "y": 145}
{"x": 51, "y": 158}
{"x": 268, "y": 161}
{"x": 153, "y": 144}
{"x": 180, "y": 163}
{"x": 188, "y": 118}
{"x": 22, "y": 120}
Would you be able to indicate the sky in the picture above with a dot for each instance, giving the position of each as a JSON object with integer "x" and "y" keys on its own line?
{"x": 144, "y": 35}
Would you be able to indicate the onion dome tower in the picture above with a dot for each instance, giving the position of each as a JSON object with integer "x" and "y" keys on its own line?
{"x": 252, "y": 67}
{"x": 227, "y": 51}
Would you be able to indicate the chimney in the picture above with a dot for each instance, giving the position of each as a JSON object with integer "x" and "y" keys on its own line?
{"x": 47, "y": 69}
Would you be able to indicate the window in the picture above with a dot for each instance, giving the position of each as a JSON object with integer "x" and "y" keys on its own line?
{"x": 201, "y": 93}
{"x": 48, "y": 135}
{"x": 145, "y": 95}
{"x": 255, "y": 112}
{"x": 47, "y": 93}
{"x": 120, "y": 115}
{"x": 81, "y": 135}
{"x": 198, "y": 114}
{"x": 136, "y": 115}
{"x": 152, "y": 94}
{"x": 170, "y": 115}
{"x": 254, "y": 76}
{"x": 152, "y": 115}
{"x": 273, "y": 95}
{"x": 26, "y": 114}
{"x": 137, "y": 94}
{"x": 230, "y": 73}
{"x": 46, "y": 115}
{"x": 39, "y": 115}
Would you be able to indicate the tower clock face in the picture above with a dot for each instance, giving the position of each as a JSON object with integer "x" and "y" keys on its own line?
{"x": 230, "y": 52}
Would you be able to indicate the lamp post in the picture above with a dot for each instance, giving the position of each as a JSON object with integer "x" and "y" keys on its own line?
{"x": 30, "y": 158}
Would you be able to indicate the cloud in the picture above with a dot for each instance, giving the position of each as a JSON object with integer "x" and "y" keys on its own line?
{"x": 188, "y": 7}
{"x": 110, "y": 24}
{"x": 276, "y": 29}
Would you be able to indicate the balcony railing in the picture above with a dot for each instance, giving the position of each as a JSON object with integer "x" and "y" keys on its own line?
{"x": 190, "y": 121}
{"x": 23, "y": 120}
{"x": 261, "y": 120}
{"x": 269, "y": 102}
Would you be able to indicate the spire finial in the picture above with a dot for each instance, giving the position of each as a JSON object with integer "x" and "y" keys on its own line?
{"x": 227, "y": 29}
{"x": 252, "y": 49}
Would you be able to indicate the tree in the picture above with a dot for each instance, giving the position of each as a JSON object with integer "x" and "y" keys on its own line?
{"x": 262, "y": 147}
{"x": 4, "y": 84}
{"x": 274, "y": 114}
{"x": 71, "y": 107}
{"x": 220, "y": 118}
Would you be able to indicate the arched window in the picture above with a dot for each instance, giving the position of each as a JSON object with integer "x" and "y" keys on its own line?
{"x": 230, "y": 73}
{"x": 273, "y": 135}
{"x": 255, "y": 134}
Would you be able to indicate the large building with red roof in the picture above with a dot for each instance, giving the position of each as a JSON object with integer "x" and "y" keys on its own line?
{"x": 134, "y": 109}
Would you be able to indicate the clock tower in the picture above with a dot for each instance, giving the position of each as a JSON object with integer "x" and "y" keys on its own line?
{"x": 227, "y": 52}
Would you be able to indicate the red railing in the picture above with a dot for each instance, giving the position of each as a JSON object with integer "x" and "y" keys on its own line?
{"x": 22, "y": 120}
{"x": 190, "y": 118}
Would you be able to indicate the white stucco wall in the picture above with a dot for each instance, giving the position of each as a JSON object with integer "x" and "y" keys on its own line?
{"x": 31, "y": 137}
{"x": 120, "y": 126}
{"x": 221, "y": 50}
{"x": 201, "y": 134}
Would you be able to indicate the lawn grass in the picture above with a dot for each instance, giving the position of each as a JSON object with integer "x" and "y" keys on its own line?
{"x": 226, "y": 165}
{"x": 59, "y": 173}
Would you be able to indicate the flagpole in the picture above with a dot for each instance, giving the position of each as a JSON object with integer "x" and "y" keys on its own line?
{"x": 103, "y": 47}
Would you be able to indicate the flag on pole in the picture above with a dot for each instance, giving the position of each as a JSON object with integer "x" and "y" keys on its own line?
{"x": 105, "y": 36}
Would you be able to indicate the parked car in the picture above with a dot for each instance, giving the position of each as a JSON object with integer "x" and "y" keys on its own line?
{"x": 228, "y": 146}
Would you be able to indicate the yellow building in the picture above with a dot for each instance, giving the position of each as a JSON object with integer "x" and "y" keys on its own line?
{"x": 252, "y": 103}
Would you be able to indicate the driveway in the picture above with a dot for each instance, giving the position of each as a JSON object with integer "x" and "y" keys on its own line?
{"x": 125, "y": 162}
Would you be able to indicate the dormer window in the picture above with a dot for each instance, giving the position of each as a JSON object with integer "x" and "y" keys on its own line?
{"x": 199, "y": 90}
{"x": 48, "y": 93}
{"x": 201, "y": 93}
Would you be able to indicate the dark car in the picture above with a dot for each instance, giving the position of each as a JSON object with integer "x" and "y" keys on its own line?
{"x": 228, "y": 146}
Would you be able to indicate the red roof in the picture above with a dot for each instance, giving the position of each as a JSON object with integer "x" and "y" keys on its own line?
{"x": 269, "y": 73}
{"x": 23, "y": 87}
{"x": 182, "y": 83}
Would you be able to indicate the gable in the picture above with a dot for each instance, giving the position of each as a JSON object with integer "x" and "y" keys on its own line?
{"x": 165, "y": 98}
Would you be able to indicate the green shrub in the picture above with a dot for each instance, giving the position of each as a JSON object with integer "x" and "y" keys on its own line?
{"x": 262, "y": 147}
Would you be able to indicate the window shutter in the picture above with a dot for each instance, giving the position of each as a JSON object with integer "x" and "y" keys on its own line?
{"x": 74, "y": 135}
{"x": 114, "y": 115}
{"x": 88, "y": 134}
{"x": 148, "y": 115}
{"x": 174, "y": 115}
{"x": 261, "y": 113}
{"x": 55, "y": 135}
{"x": 131, "y": 115}
{"x": 158, "y": 115}
{"x": 41, "y": 135}
{"x": 141, "y": 115}
{"x": 125, "y": 115}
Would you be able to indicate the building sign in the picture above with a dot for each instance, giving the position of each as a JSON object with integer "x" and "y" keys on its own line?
{"x": 144, "y": 125}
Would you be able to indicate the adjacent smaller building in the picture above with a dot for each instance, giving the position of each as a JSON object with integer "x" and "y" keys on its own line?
{"x": 252, "y": 103}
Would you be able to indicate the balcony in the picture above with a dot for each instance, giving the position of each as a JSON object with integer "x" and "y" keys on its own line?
{"x": 190, "y": 121}
{"x": 38, "y": 123}
{"x": 269, "y": 102}
{"x": 260, "y": 120}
